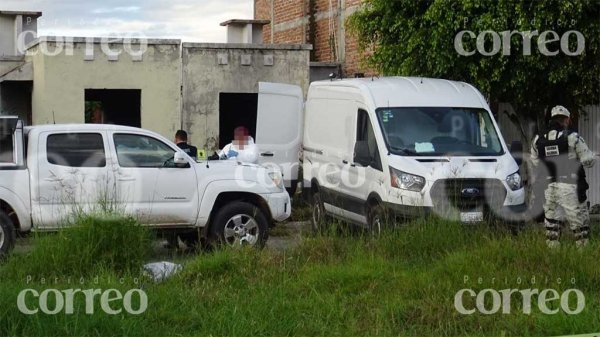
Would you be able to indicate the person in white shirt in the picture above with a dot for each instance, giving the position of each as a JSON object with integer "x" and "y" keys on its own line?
{"x": 242, "y": 148}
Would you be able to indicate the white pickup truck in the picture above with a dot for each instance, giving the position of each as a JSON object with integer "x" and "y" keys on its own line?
{"x": 48, "y": 173}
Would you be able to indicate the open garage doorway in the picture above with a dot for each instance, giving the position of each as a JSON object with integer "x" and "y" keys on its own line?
{"x": 15, "y": 99}
{"x": 236, "y": 109}
{"x": 113, "y": 106}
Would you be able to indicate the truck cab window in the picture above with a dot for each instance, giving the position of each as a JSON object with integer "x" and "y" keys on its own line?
{"x": 365, "y": 132}
{"x": 76, "y": 150}
{"x": 142, "y": 151}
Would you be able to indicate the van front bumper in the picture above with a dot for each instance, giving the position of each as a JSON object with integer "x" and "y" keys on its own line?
{"x": 507, "y": 213}
{"x": 280, "y": 205}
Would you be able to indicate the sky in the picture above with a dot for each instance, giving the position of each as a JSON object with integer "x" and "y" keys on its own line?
{"x": 188, "y": 20}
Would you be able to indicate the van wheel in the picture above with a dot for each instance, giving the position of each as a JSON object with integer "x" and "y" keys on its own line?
{"x": 7, "y": 234}
{"x": 378, "y": 219}
{"x": 317, "y": 218}
{"x": 240, "y": 224}
{"x": 292, "y": 189}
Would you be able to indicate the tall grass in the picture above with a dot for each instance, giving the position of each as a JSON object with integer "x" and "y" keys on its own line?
{"x": 91, "y": 243}
{"x": 343, "y": 284}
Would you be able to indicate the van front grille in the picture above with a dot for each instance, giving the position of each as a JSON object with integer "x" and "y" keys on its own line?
{"x": 468, "y": 194}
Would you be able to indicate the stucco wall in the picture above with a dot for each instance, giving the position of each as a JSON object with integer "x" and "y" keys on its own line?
{"x": 60, "y": 82}
{"x": 204, "y": 78}
{"x": 30, "y": 24}
{"x": 8, "y": 64}
{"x": 7, "y": 35}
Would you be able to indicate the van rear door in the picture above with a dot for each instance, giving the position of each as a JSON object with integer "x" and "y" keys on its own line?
{"x": 279, "y": 128}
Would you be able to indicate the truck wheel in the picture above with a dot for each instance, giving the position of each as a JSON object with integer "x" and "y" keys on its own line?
{"x": 317, "y": 218}
{"x": 238, "y": 224}
{"x": 7, "y": 234}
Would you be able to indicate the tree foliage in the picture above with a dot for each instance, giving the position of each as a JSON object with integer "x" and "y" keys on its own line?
{"x": 416, "y": 38}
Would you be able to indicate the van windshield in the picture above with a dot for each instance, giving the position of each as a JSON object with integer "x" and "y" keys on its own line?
{"x": 436, "y": 131}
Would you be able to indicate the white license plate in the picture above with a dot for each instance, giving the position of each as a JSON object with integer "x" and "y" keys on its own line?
{"x": 470, "y": 217}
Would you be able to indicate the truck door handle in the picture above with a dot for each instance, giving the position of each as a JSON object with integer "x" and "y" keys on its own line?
{"x": 267, "y": 154}
{"x": 126, "y": 179}
{"x": 345, "y": 161}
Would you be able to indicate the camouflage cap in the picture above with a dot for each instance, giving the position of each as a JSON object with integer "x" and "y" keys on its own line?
{"x": 560, "y": 110}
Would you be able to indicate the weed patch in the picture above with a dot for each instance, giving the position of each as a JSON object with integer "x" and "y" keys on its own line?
{"x": 401, "y": 283}
{"x": 93, "y": 243}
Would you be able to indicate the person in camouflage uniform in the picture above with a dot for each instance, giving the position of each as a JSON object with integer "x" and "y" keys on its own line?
{"x": 563, "y": 154}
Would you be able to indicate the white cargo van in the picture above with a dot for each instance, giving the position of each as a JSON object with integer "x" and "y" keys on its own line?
{"x": 401, "y": 146}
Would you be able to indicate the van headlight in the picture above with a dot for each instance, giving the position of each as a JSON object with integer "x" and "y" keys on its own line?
{"x": 406, "y": 181}
{"x": 514, "y": 181}
{"x": 277, "y": 179}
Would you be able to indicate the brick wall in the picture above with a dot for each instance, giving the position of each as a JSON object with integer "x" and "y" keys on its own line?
{"x": 332, "y": 43}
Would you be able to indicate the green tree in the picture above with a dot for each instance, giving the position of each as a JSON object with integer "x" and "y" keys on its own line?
{"x": 417, "y": 38}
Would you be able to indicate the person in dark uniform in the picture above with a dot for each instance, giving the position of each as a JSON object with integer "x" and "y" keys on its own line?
{"x": 181, "y": 139}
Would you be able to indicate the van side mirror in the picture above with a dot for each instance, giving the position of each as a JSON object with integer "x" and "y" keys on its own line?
{"x": 362, "y": 154}
{"x": 516, "y": 150}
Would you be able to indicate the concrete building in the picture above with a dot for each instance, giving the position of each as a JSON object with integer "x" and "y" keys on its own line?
{"x": 17, "y": 29}
{"x": 160, "y": 85}
{"x": 220, "y": 85}
{"x": 142, "y": 91}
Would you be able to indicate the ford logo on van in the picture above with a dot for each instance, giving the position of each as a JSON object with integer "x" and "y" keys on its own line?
{"x": 470, "y": 192}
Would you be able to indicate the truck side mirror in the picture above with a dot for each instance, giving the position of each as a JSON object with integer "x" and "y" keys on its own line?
{"x": 179, "y": 159}
{"x": 362, "y": 154}
{"x": 516, "y": 150}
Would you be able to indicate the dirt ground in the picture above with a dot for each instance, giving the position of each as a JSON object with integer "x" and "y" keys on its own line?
{"x": 282, "y": 237}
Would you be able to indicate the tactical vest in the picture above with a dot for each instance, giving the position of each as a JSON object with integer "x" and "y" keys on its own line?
{"x": 555, "y": 156}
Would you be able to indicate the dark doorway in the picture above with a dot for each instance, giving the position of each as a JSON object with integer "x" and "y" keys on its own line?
{"x": 113, "y": 106}
{"x": 15, "y": 99}
{"x": 235, "y": 110}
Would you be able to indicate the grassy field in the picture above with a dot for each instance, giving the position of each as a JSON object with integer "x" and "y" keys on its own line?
{"x": 341, "y": 284}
